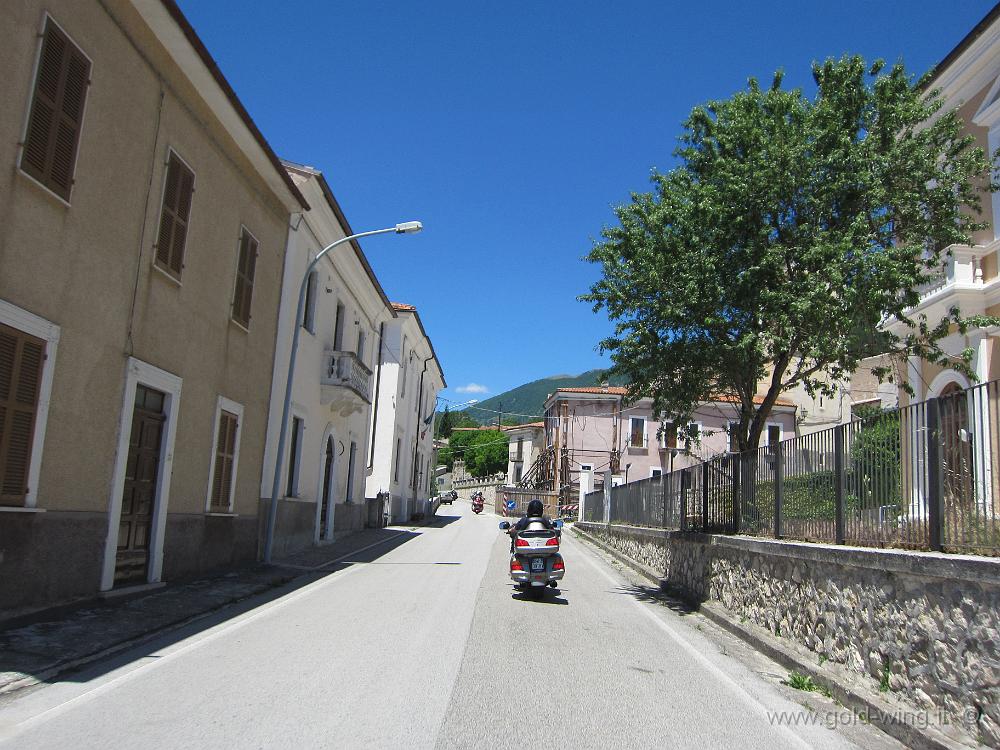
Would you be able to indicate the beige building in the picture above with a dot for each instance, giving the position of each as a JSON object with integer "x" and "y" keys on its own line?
{"x": 143, "y": 226}
{"x": 969, "y": 80}
{"x": 329, "y": 438}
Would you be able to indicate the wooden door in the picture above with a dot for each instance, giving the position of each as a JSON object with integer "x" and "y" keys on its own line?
{"x": 139, "y": 495}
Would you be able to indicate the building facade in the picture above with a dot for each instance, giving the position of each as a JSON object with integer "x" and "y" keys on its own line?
{"x": 328, "y": 441}
{"x": 403, "y": 460}
{"x": 143, "y": 225}
{"x": 589, "y": 431}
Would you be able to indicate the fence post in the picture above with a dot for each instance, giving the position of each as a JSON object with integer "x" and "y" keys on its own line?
{"x": 607, "y": 498}
{"x": 935, "y": 475}
{"x": 779, "y": 487}
{"x": 704, "y": 496}
{"x": 838, "y": 483}
{"x": 737, "y": 465}
{"x": 664, "y": 484}
{"x": 685, "y": 486}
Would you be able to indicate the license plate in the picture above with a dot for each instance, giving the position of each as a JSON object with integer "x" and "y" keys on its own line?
{"x": 538, "y": 564}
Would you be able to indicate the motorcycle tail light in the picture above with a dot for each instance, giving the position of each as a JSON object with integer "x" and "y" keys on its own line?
{"x": 515, "y": 565}
{"x": 522, "y": 543}
{"x": 558, "y": 564}
{"x": 553, "y": 542}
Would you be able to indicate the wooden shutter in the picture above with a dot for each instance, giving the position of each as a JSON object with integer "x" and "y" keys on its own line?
{"x": 225, "y": 452}
{"x": 175, "y": 211}
{"x": 57, "y": 104}
{"x": 21, "y": 359}
{"x": 245, "y": 268}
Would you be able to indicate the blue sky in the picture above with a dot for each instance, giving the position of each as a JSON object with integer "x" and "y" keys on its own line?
{"x": 511, "y": 129}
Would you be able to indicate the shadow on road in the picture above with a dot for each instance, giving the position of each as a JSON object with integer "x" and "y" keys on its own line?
{"x": 89, "y": 641}
{"x": 545, "y": 597}
{"x": 654, "y": 594}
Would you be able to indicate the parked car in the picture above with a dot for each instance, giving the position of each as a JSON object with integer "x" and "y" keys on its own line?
{"x": 448, "y": 497}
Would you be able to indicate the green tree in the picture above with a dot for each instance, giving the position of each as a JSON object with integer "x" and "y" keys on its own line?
{"x": 790, "y": 229}
{"x": 445, "y": 423}
{"x": 487, "y": 453}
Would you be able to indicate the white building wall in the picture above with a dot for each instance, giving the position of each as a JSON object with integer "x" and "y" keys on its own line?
{"x": 341, "y": 279}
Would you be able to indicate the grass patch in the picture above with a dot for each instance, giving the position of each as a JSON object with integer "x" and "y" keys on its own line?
{"x": 883, "y": 685}
{"x": 806, "y": 684}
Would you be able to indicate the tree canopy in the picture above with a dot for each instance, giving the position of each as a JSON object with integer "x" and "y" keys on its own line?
{"x": 792, "y": 227}
{"x": 484, "y": 451}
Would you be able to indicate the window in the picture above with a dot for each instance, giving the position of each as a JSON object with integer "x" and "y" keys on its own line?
{"x": 175, "y": 213}
{"x": 294, "y": 457}
{"x": 21, "y": 359}
{"x": 227, "y": 441}
{"x": 338, "y": 328}
{"x": 518, "y": 473}
{"x": 520, "y": 449}
{"x": 655, "y": 472}
{"x": 773, "y": 434}
{"x": 667, "y": 436}
{"x": 361, "y": 347}
{"x": 402, "y": 369}
{"x": 309, "y": 313}
{"x": 243, "y": 293}
{"x": 586, "y": 467}
{"x": 692, "y": 435}
{"x": 56, "y": 114}
{"x": 734, "y": 446}
{"x": 399, "y": 452}
{"x": 637, "y": 436}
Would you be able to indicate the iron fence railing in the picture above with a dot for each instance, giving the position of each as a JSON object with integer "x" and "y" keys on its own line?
{"x": 923, "y": 476}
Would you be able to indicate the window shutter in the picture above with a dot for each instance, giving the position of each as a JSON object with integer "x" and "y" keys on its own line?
{"x": 21, "y": 359}
{"x": 53, "y": 134}
{"x": 245, "y": 269}
{"x": 178, "y": 189}
{"x": 225, "y": 451}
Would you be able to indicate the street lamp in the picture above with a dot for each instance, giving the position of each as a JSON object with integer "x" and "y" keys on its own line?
{"x": 407, "y": 227}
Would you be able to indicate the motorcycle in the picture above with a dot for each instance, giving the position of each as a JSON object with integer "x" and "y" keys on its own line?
{"x": 477, "y": 504}
{"x": 535, "y": 561}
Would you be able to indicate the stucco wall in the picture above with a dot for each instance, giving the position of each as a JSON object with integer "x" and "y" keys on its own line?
{"x": 925, "y": 625}
{"x": 88, "y": 268}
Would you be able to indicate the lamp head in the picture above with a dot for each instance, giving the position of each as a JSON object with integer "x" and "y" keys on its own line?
{"x": 409, "y": 227}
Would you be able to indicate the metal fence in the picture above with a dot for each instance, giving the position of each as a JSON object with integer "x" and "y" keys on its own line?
{"x": 924, "y": 476}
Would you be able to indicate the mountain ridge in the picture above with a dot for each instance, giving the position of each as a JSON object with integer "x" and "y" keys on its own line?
{"x": 525, "y": 403}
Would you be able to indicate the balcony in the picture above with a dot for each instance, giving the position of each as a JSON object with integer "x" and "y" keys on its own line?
{"x": 345, "y": 382}
{"x": 958, "y": 283}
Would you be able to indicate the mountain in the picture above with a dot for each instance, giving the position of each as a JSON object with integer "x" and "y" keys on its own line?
{"x": 525, "y": 403}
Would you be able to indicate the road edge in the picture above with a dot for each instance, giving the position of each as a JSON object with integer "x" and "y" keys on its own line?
{"x": 862, "y": 702}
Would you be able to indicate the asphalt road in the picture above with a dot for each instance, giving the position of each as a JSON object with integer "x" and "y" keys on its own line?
{"x": 429, "y": 646}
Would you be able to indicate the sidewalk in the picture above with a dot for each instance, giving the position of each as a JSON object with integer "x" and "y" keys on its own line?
{"x": 37, "y": 652}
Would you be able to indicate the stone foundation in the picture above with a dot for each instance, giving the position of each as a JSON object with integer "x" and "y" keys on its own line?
{"x": 923, "y": 625}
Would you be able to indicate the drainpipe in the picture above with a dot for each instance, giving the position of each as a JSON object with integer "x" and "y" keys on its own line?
{"x": 378, "y": 381}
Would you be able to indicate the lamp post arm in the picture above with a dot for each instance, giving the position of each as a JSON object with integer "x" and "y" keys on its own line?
{"x": 272, "y": 511}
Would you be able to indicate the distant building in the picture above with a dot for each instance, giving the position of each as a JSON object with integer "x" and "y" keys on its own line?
{"x": 588, "y": 431}
{"x": 409, "y": 378}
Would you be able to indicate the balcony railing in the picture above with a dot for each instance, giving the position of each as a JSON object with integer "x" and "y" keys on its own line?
{"x": 343, "y": 370}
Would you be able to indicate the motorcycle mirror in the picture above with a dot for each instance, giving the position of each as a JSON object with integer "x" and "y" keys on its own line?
{"x": 505, "y": 525}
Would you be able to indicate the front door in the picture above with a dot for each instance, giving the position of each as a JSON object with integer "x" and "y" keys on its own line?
{"x": 139, "y": 495}
{"x": 324, "y": 517}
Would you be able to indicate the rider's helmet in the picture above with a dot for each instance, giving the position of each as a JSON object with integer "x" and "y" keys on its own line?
{"x": 535, "y": 508}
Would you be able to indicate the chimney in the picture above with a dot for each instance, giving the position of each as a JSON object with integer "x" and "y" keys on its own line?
{"x": 604, "y": 386}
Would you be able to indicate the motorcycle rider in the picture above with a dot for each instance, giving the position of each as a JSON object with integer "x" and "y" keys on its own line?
{"x": 534, "y": 512}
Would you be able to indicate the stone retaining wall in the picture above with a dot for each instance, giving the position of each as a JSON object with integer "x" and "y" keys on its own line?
{"x": 923, "y": 625}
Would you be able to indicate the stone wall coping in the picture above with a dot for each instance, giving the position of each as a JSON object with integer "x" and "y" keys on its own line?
{"x": 974, "y": 568}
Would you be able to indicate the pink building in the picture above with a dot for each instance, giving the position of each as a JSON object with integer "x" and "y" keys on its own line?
{"x": 588, "y": 431}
